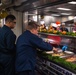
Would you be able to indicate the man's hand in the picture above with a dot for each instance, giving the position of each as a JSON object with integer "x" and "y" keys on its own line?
{"x": 55, "y": 50}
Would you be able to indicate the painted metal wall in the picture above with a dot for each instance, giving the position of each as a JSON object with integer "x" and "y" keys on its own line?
{"x": 18, "y": 29}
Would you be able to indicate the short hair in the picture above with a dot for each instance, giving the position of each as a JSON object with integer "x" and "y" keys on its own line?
{"x": 10, "y": 18}
{"x": 32, "y": 25}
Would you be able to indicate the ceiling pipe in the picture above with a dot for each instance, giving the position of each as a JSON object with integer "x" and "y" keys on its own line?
{"x": 6, "y": 2}
{"x": 19, "y": 2}
{"x": 42, "y": 6}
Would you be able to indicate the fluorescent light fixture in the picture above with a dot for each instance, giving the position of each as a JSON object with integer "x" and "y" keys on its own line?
{"x": 66, "y": 13}
{"x": 72, "y": 2}
{"x": 55, "y": 15}
{"x": 64, "y": 9}
{"x": 31, "y": 14}
{"x": 70, "y": 17}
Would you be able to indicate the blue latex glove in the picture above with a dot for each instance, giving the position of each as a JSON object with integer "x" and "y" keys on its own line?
{"x": 64, "y": 48}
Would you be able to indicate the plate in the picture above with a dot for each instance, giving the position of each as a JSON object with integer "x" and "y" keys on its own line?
{"x": 49, "y": 52}
{"x": 69, "y": 52}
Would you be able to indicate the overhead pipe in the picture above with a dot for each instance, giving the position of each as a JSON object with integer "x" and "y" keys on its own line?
{"x": 49, "y": 4}
{"x": 6, "y": 2}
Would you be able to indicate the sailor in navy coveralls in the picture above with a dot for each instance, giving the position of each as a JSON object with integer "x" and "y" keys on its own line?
{"x": 7, "y": 46}
{"x": 27, "y": 44}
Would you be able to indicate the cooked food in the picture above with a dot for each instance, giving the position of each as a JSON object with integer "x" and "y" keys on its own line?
{"x": 71, "y": 59}
{"x": 57, "y": 54}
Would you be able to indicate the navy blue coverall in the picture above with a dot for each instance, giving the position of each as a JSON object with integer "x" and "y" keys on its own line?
{"x": 27, "y": 44}
{"x": 7, "y": 51}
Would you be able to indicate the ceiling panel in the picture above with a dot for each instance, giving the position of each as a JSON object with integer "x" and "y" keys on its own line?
{"x": 54, "y": 10}
{"x": 38, "y": 4}
{"x": 46, "y": 7}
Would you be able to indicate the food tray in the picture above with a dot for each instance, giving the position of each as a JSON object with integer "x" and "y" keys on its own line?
{"x": 61, "y": 54}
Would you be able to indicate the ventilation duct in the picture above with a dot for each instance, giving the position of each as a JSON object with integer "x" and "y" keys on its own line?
{"x": 19, "y": 2}
{"x": 6, "y": 2}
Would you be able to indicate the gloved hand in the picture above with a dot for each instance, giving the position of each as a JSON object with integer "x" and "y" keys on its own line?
{"x": 55, "y": 50}
{"x": 64, "y": 48}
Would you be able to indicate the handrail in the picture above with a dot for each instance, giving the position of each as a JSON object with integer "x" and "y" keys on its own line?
{"x": 58, "y": 35}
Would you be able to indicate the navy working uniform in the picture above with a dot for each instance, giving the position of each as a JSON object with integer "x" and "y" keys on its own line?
{"x": 64, "y": 29}
{"x": 7, "y": 51}
{"x": 27, "y": 44}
